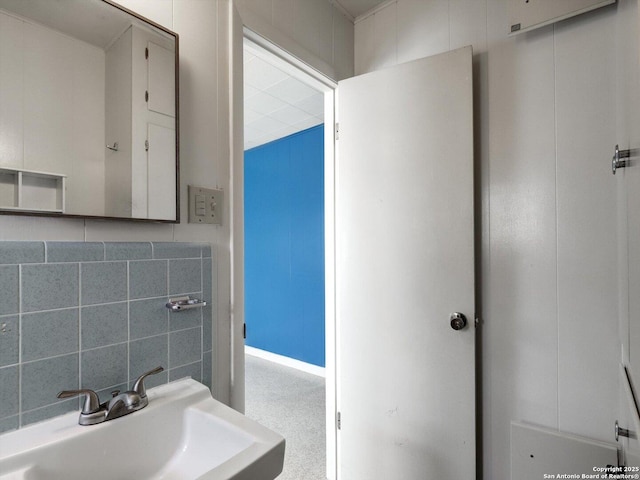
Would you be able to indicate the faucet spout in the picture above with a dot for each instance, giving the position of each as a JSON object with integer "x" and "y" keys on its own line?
{"x": 115, "y": 409}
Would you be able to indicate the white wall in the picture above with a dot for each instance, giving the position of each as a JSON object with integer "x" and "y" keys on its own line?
{"x": 204, "y": 159}
{"x": 206, "y": 137}
{"x": 315, "y": 31}
{"x": 52, "y": 108}
{"x": 545, "y": 114}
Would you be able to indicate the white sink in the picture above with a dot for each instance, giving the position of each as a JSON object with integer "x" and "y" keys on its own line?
{"x": 183, "y": 434}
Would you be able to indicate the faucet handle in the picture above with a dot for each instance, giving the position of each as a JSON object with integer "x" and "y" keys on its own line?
{"x": 91, "y": 400}
{"x": 138, "y": 386}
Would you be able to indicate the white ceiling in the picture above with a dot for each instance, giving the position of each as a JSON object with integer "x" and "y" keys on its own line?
{"x": 358, "y": 7}
{"x": 276, "y": 105}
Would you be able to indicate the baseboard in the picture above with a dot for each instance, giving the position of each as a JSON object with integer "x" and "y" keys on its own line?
{"x": 286, "y": 361}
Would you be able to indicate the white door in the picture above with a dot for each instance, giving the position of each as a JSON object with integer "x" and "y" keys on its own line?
{"x": 404, "y": 263}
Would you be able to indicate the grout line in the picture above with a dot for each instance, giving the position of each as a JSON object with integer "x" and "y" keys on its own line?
{"x": 168, "y": 319}
{"x": 128, "y": 322}
{"x": 181, "y": 330}
{"x": 66, "y": 354}
{"x": 79, "y": 347}
{"x": 168, "y": 354}
{"x": 555, "y": 141}
{"x": 19, "y": 346}
{"x": 79, "y": 270}
{"x": 109, "y": 345}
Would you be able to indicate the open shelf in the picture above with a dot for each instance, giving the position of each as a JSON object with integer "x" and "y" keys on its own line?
{"x": 28, "y": 190}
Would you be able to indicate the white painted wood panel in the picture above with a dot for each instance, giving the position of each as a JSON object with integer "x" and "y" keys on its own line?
{"x": 11, "y": 92}
{"x": 385, "y": 42}
{"x": 468, "y": 25}
{"x": 312, "y": 19}
{"x": 586, "y": 205}
{"x": 520, "y": 337}
{"x": 364, "y": 45}
{"x": 323, "y": 14}
{"x": 284, "y": 14}
{"x": 343, "y": 46}
{"x": 423, "y": 28}
{"x": 263, "y": 8}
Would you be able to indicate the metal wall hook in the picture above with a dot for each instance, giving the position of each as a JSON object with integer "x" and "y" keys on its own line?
{"x": 114, "y": 147}
{"x": 623, "y": 432}
{"x": 617, "y": 160}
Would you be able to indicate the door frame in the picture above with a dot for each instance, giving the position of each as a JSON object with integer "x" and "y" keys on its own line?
{"x": 304, "y": 72}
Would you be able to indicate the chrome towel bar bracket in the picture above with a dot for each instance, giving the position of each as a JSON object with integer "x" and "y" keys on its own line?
{"x": 185, "y": 303}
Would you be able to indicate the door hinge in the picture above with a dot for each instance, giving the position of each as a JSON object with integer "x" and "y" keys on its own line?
{"x": 244, "y": 331}
{"x": 146, "y": 145}
{"x": 339, "y": 420}
{"x": 146, "y": 53}
{"x": 337, "y": 131}
{"x": 146, "y": 96}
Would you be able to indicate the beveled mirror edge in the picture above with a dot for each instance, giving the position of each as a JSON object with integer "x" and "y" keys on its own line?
{"x": 28, "y": 213}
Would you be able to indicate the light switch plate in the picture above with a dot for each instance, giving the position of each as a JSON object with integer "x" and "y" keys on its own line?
{"x": 205, "y": 205}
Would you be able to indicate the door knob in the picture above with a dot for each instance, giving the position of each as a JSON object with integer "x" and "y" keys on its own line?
{"x": 458, "y": 321}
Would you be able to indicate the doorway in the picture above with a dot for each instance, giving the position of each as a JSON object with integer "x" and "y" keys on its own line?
{"x": 285, "y": 109}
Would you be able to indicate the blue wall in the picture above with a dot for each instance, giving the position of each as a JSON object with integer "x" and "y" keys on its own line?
{"x": 284, "y": 246}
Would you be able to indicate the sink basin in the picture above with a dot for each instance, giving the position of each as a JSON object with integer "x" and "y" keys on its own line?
{"x": 182, "y": 434}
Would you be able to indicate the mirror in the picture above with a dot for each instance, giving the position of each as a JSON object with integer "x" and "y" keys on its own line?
{"x": 88, "y": 112}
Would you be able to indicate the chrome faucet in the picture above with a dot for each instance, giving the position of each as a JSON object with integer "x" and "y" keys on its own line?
{"x": 94, "y": 412}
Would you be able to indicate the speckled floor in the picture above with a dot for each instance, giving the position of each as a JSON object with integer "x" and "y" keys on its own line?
{"x": 291, "y": 403}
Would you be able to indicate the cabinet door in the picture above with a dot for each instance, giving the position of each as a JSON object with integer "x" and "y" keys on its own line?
{"x": 161, "y": 80}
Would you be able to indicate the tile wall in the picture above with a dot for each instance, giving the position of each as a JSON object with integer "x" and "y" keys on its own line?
{"x": 92, "y": 315}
